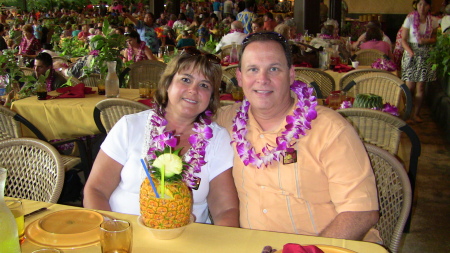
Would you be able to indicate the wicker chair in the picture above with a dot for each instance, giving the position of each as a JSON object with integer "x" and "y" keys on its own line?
{"x": 35, "y": 169}
{"x": 91, "y": 80}
{"x": 230, "y": 70}
{"x": 11, "y": 128}
{"x": 27, "y": 71}
{"x": 148, "y": 70}
{"x": 323, "y": 80}
{"x": 226, "y": 50}
{"x": 394, "y": 195}
{"x": 385, "y": 131}
{"x": 60, "y": 58}
{"x": 388, "y": 86}
{"x": 308, "y": 80}
{"x": 350, "y": 76}
{"x": 229, "y": 81}
{"x": 108, "y": 112}
{"x": 367, "y": 56}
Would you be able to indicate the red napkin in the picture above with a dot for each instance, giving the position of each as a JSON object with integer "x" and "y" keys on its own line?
{"x": 297, "y": 248}
{"x": 303, "y": 64}
{"x": 76, "y": 91}
{"x": 342, "y": 68}
{"x": 148, "y": 102}
{"x": 226, "y": 96}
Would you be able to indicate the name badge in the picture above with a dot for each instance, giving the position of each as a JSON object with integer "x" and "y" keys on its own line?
{"x": 290, "y": 157}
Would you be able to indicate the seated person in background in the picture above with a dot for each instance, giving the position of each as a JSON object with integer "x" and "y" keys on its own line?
{"x": 327, "y": 39}
{"x": 83, "y": 35}
{"x": 269, "y": 22}
{"x": 362, "y": 38}
{"x": 284, "y": 30}
{"x": 236, "y": 35}
{"x": 137, "y": 50}
{"x": 30, "y": 45}
{"x": 373, "y": 40}
{"x": 257, "y": 25}
{"x": 44, "y": 62}
{"x": 292, "y": 28}
{"x": 185, "y": 40}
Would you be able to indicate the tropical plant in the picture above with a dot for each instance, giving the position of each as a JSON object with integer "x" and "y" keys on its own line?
{"x": 440, "y": 55}
{"x": 73, "y": 47}
{"x": 9, "y": 68}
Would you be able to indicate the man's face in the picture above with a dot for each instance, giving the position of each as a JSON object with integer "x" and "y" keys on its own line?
{"x": 265, "y": 76}
{"x": 40, "y": 68}
{"x": 148, "y": 18}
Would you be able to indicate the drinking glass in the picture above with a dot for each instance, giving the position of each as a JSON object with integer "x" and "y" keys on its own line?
{"x": 116, "y": 236}
{"x": 144, "y": 89}
{"x": 16, "y": 208}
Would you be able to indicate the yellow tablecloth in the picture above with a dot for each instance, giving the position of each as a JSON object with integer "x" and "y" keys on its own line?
{"x": 200, "y": 237}
{"x": 66, "y": 117}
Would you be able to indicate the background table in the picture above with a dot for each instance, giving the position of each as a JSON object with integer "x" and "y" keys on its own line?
{"x": 200, "y": 237}
{"x": 65, "y": 117}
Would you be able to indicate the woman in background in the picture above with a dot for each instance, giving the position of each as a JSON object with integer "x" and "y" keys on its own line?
{"x": 374, "y": 40}
{"x": 137, "y": 50}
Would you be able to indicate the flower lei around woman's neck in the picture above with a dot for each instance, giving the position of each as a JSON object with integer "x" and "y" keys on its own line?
{"x": 416, "y": 25}
{"x": 194, "y": 157}
{"x": 297, "y": 124}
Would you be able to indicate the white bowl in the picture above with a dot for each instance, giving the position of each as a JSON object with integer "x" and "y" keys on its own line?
{"x": 166, "y": 234}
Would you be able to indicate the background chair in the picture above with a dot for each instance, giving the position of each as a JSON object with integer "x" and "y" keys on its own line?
{"x": 323, "y": 80}
{"x": 148, "y": 70}
{"x": 394, "y": 195}
{"x": 367, "y": 56}
{"x": 226, "y": 50}
{"x": 35, "y": 169}
{"x": 229, "y": 81}
{"x": 27, "y": 71}
{"x": 351, "y": 75}
{"x": 391, "y": 88}
{"x": 108, "y": 112}
{"x": 385, "y": 131}
{"x": 11, "y": 128}
{"x": 230, "y": 70}
{"x": 309, "y": 81}
{"x": 90, "y": 80}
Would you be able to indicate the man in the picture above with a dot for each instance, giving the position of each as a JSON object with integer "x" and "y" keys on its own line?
{"x": 44, "y": 62}
{"x": 247, "y": 15}
{"x": 146, "y": 30}
{"x": 323, "y": 183}
{"x": 269, "y": 22}
{"x": 236, "y": 35}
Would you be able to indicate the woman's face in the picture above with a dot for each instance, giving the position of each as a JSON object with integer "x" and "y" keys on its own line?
{"x": 422, "y": 7}
{"x": 189, "y": 94}
{"x": 132, "y": 41}
{"x": 256, "y": 28}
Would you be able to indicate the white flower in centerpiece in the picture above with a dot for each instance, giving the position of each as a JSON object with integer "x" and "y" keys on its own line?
{"x": 172, "y": 164}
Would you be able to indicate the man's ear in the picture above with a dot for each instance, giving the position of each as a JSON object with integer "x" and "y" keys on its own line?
{"x": 239, "y": 76}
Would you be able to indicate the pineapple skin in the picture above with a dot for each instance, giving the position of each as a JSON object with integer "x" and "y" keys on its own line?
{"x": 162, "y": 213}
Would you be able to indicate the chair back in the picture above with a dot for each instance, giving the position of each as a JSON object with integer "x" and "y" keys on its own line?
{"x": 311, "y": 83}
{"x": 351, "y": 75}
{"x": 35, "y": 169}
{"x": 230, "y": 70}
{"x": 323, "y": 80}
{"x": 229, "y": 81}
{"x": 391, "y": 88}
{"x": 10, "y": 125}
{"x": 27, "y": 71}
{"x": 90, "y": 80}
{"x": 226, "y": 50}
{"x": 367, "y": 56}
{"x": 142, "y": 71}
{"x": 108, "y": 112}
{"x": 60, "y": 58}
{"x": 394, "y": 195}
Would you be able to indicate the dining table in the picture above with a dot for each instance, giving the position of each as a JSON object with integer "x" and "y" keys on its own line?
{"x": 196, "y": 238}
{"x": 63, "y": 118}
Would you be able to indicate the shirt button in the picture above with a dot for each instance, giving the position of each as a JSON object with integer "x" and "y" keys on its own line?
{"x": 265, "y": 211}
{"x": 261, "y": 136}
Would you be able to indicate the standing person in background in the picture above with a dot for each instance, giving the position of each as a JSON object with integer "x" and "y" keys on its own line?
{"x": 217, "y": 7}
{"x": 247, "y": 15}
{"x": 146, "y": 30}
{"x": 418, "y": 38}
{"x": 323, "y": 12}
{"x": 227, "y": 7}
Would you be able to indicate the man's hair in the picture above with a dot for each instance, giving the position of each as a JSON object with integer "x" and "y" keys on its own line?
{"x": 269, "y": 15}
{"x": 267, "y": 36}
{"x": 134, "y": 35}
{"x": 237, "y": 25}
{"x": 374, "y": 33}
{"x": 2, "y": 28}
{"x": 327, "y": 30}
{"x": 47, "y": 46}
{"x": 45, "y": 58}
{"x": 249, "y": 4}
{"x": 258, "y": 21}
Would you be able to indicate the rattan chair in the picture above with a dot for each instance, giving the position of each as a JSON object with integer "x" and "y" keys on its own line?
{"x": 11, "y": 128}
{"x": 309, "y": 81}
{"x": 27, "y": 71}
{"x": 60, "y": 58}
{"x": 324, "y": 80}
{"x": 90, "y": 80}
{"x": 226, "y": 50}
{"x": 394, "y": 195}
{"x": 391, "y": 88}
{"x": 229, "y": 81}
{"x": 385, "y": 131}
{"x": 148, "y": 70}
{"x": 351, "y": 75}
{"x": 35, "y": 169}
{"x": 231, "y": 70}
{"x": 367, "y": 56}
{"x": 108, "y": 112}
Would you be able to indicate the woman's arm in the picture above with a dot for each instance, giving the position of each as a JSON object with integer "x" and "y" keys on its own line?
{"x": 405, "y": 44}
{"x": 430, "y": 40}
{"x": 223, "y": 201}
{"x": 130, "y": 17}
{"x": 103, "y": 180}
{"x": 149, "y": 54}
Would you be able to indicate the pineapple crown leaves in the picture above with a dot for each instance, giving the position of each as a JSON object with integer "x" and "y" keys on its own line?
{"x": 175, "y": 177}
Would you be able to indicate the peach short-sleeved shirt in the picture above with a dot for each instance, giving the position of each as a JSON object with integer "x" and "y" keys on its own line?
{"x": 332, "y": 175}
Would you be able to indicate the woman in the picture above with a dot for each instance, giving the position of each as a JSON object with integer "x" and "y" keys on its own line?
{"x": 418, "y": 38}
{"x": 137, "y": 50}
{"x": 181, "y": 23}
{"x": 30, "y": 46}
{"x": 374, "y": 40}
{"x": 188, "y": 89}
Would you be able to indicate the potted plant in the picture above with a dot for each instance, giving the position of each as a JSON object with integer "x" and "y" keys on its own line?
{"x": 440, "y": 58}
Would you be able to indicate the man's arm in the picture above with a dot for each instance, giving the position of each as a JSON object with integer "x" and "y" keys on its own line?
{"x": 351, "y": 225}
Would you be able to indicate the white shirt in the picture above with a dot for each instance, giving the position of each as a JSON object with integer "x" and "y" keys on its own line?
{"x": 422, "y": 28}
{"x": 228, "y": 39}
{"x": 125, "y": 143}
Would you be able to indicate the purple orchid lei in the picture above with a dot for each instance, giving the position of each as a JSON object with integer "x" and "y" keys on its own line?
{"x": 296, "y": 126}
{"x": 384, "y": 64}
{"x": 416, "y": 25}
{"x": 388, "y": 108}
{"x": 194, "y": 157}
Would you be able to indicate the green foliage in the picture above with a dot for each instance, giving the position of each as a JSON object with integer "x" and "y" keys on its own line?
{"x": 210, "y": 46}
{"x": 73, "y": 47}
{"x": 440, "y": 55}
{"x": 9, "y": 67}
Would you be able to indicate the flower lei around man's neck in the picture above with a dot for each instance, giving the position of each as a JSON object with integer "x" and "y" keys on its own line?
{"x": 297, "y": 124}
{"x": 416, "y": 25}
{"x": 50, "y": 79}
{"x": 194, "y": 157}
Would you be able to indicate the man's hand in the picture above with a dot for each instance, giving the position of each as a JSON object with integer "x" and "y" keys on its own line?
{"x": 351, "y": 225}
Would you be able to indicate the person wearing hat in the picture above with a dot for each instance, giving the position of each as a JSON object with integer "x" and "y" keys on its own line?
{"x": 362, "y": 38}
